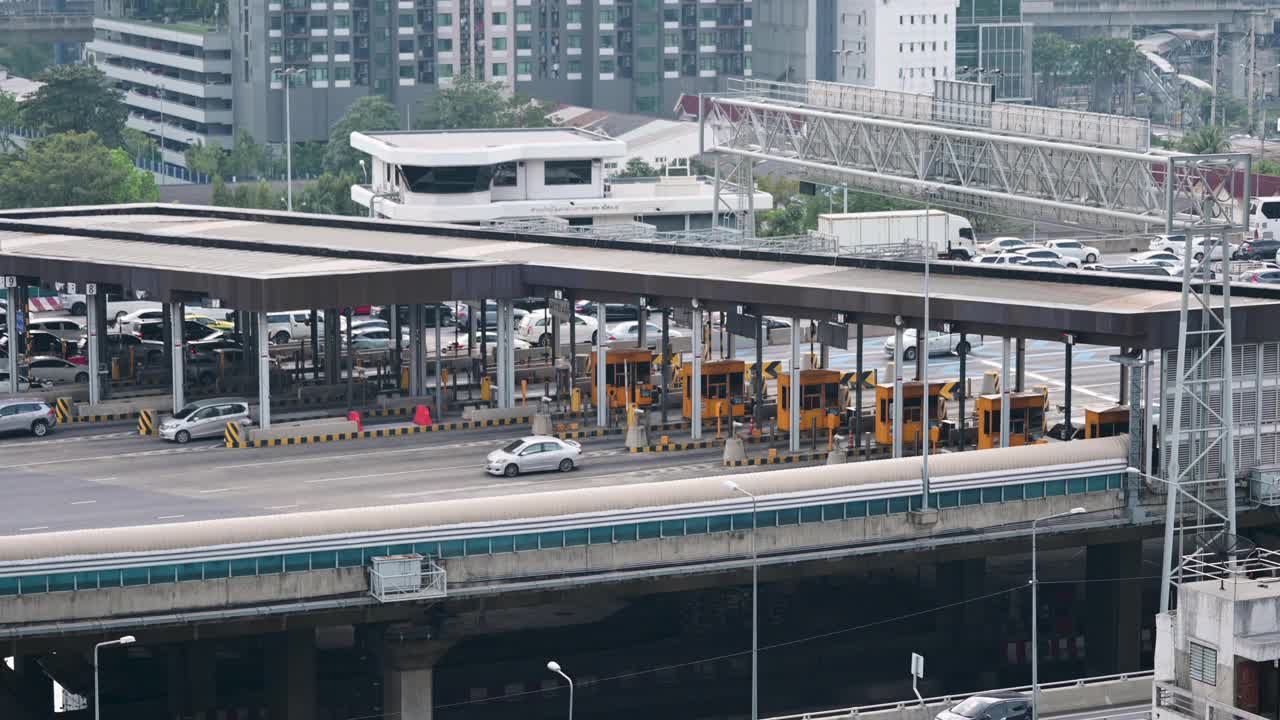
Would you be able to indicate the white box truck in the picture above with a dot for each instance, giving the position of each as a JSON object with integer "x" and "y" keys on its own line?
{"x": 951, "y": 236}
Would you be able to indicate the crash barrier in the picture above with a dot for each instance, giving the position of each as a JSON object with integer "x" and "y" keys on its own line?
{"x": 147, "y": 423}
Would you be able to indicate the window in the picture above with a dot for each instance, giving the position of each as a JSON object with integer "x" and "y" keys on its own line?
{"x": 408, "y": 72}
{"x": 404, "y": 21}
{"x": 607, "y": 65}
{"x": 1204, "y": 663}
{"x": 568, "y": 172}
{"x": 524, "y": 42}
{"x": 444, "y": 19}
{"x": 499, "y": 69}
{"x": 607, "y": 16}
{"x": 319, "y": 22}
{"x": 447, "y": 180}
{"x": 342, "y": 22}
{"x": 524, "y": 67}
{"x": 575, "y": 40}
{"x": 524, "y": 17}
{"x": 574, "y": 17}
{"x": 504, "y": 175}
{"x": 342, "y": 47}
{"x": 444, "y": 44}
{"x": 499, "y": 43}
{"x": 445, "y": 71}
{"x": 499, "y": 18}
{"x": 575, "y": 66}
{"x": 320, "y": 74}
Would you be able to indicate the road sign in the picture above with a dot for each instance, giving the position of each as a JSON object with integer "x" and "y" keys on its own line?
{"x": 868, "y": 379}
{"x": 560, "y": 309}
{"x": 71, "y": 288}
{"x": 747, "y": 326}
{"x": 834, "y": 335}
{"x": 917, "y": 666}
{"x": 91, "y": 288}
{"x": 948, "y": 390}
{"x": 21, "y": 317}
{"x": 10, "y": 281}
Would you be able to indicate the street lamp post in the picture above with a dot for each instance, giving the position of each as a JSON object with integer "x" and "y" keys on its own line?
{"x": 288, "y": 75}
{"x": 1035, "y": 601}
{"x": 97, "y": 704}
{"x": 554, "y": 667}
{"x": 755, "y": 602}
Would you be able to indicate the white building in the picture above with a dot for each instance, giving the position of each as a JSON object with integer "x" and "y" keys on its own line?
{"x": 895, "y": 44}
{"x": 478, "y": 176}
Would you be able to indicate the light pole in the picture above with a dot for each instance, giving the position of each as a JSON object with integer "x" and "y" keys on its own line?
{"x": 1035, "y": 601}
{"x": 288, "y": 75}
{"x": 554, "y": 667}
{"x": 97, "y": 704}
{"x": 755, "y": 602}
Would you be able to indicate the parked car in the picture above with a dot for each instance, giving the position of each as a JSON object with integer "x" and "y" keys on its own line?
{"x": 997, "y": 705}
{"x": 1075, "y": 249}
{"x": 448, "y": 317}
{"x": 204, "y": 418}
{"x": 1049, "y": 264}
{"x": 131, "y": 321}
{"x": 64, "y": 328}
{"x": 56, "y": 370}
{"x": 1001, "y": 244}
{"x": 613, "y": 312}
{"x": 1150, "y": 256}
{"x": 192, "y": 331}
{"x": 532, "y": 454}
{"x": 120, "y": 343}
{"x": 1038, "y": 253}
{"x": 27, "y": 415}
{"x": 1177, "y": 245}
{"x": 535, "y": 328}
{"x": 628, "y": 333}
{"x": 1009, "y": 258}
{"x": 1264, "y": 276}
{"x": 1258, "y": 249}
{"x": 211, "y": 322}
{"x": 283, "y": 327}
{"x": 374, "y": 338}
{"x": 1136, "y": 269}
{"x": 940, "y": 343}
{"x": 25, "y": 384}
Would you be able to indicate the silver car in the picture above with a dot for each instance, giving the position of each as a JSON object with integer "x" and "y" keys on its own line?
{"x": 57, "y": 370}
{"x": 29, "y": 415}
{"x": 204, "y": 418}
{"x": 532, "y": 454}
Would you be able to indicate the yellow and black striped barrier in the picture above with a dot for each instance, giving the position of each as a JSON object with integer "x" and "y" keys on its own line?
{"x": 233, "y": 436}
{"x": 112, "y": 417}
{"x": 779, "y": 459}
{"x": 147, "y": 423}
{"x": 678, "y": 446}
{"x": 62, "y": 408}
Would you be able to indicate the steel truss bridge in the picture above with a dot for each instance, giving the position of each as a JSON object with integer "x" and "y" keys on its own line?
{"x": 956, "y": 146}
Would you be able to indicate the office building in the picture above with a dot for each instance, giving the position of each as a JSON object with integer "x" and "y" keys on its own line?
{"x": 992, "y": 36}
{"x": 902, "y": 45}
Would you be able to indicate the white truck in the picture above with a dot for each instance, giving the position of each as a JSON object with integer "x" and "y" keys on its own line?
{"x": 874, "y": 233}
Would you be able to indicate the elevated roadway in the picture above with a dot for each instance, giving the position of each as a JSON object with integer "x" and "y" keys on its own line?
{"x": 47, "y": 27}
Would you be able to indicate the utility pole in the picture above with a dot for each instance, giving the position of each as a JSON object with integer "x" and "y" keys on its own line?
{"x": 1213, "y": 78}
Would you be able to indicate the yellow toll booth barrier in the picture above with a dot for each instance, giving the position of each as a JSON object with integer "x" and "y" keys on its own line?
{"x": 1026, "y": 421}
{"x": 819, "y": 396}
{"x": 721, "y": 380}
{"x": 911, "y": 404}
{"x": 626, "y": 379}
{"x": 1106, "y": 423}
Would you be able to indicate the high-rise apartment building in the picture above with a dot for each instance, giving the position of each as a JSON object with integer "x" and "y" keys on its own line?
{"x": 902, "y": 45}
{"x": 210, "y": 80}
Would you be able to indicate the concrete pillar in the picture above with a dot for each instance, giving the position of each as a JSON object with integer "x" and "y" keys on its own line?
{"x": 642, "y": 327}
{"x": 1020, "y": 375}
{"x": 922, "y": 352}
{"x": 177, "y": 352}
{"x": 757, "y": 377}
{"x": 897, "y": 391}
{"x": 665, "y": 351}
{"x": 1124, "y": 383}
{"x": 289, "y": 660}
{"x": 1113, "y": 615}
{"x": 332, "y": 344}
{"x": 1004, "y": 392}
{"x": 350, "y": 364}
{"x": 793, "y": 443}
{"x": 1066, "y": 395}
{"x": 93, "y": 315}
{"x": 315, "y": 343}
{"x": 506, "y": 353}
{"x": 408, "y": 679}
{"x": 602, "y": 399}
{"x": 963, "y": 386}
{"x": 439, "y": 393}
{"x": 396, "y": 355}
{"x": 202, "y": 680}
{"x": 415, "y": 350}
{"x": 264, "y": 369}
{"x": 857, "y": 392}
{"x": 695, "y": 378}
{"x": 16, "y": 305}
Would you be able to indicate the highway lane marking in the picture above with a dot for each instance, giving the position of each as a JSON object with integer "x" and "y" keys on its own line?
{"x": 118, "y": 456}
{"x": 169, "y": 517}
{"x": 390, "y": 474}
{"x": 221, "y": 490}
{"x": 36, "y": 527}
{"x": 283, "y": 507}
{"x": 380, "y": 453}
{"x": 1061, "y": 385}
{"x": 102, "y": 480}
{"x": 83, "y": 502}
{"x": 489, "y": 486}
{"x": 71, "y": 439}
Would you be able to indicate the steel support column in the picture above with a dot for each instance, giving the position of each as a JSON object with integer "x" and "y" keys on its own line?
{"x": 793, "y": 431}
{"x": 440, "y": 388}
{"x": 857, "y": 393}
{"x": 666, "y": 359}
{"x": 963, "y": 386}
{"x": 757, "y": 377}
{"x": 349, "y": 314}
{"x": 177, "y": 353}
{"x": 642, "y": 326}
{"x": 264, "y": 370}
{"x": 415, "y": 350}
{"x": 1020, "y": 365}
{"x": 17, "y": 304}
{"x": 314, "y": 320}
{"x": 1004, "y": 391}
{"x": 602, "y": 394}
{"x": 897, "y": 391}
{"x": 695, "y": 378}
{"x": 94, "y": 310}
{"x": 922, "y": 351}
{"x": 506, "y": 353}
{"x": 1066, "y": 395}
{"x": 396, "y": 356}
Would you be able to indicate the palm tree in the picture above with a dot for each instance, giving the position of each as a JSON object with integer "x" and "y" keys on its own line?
{"x": 1205, "y": 141}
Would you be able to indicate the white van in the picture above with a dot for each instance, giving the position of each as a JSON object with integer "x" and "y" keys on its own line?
{"x": 1264, "y": 217}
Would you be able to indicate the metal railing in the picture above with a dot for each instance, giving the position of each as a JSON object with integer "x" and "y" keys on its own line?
{"x": 1173, "y": 699}
{"x": 951, "y": 699}
{"x": 1244, "y": 564}
{"x": 424, "y": 581}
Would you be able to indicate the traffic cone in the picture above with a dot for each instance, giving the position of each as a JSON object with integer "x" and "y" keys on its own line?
{"x": 422, "y": 416}
{"x": 354, "y": 417}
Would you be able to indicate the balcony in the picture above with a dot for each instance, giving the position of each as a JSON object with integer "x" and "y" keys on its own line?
{"x": 177, "y": 133}
{"x": 156, "y": 57}
{"x": 178, "y": 110}
{"x": 182, "y": 87}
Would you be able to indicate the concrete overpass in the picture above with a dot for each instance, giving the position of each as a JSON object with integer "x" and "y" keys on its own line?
{"x": 1129, "y": 13}
{"x": 46, "y": 27}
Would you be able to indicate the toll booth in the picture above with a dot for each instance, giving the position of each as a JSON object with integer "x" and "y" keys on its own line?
{"x": 722, "y": 380}
{"x": 627, "y": 377}
{"x": 1106, "y": 423}
{"x": 912, "y": 395}
{"x": 819, "y": 397}
{"x": 1026, "y": 422}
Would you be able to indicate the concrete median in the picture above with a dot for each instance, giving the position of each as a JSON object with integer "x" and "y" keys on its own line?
{"x": 121, "y": 409}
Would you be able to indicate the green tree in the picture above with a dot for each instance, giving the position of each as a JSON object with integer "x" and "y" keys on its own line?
{"x": 1102, "y": 62}
{"x": 1206, "y": 140}
{"x": 27, "y": 59}
{"x": 329, "y": 195}
{"x": 76, "y": 98}
{"x": 72, "y": 169}
{"x": 370, "y": 113}
{"x": 637, "y": 167}
{"x": 1053, "y": 58}
{"x": 221, "y": 195}
{"x": 1267, "y": 167}
{"x": 247, "y": 158}
{"x": 264, "y": 198}
{"x": 205, "y": 159}
{"x": 139, "y": 145}
{"x": 469, "y": 103}
{"x": 10, "y": 116}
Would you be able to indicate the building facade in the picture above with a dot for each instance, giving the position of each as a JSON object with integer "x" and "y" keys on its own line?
{"x": 904, "y": 45}
{"x": 222, "y": 77}
{"x": 992, "y": 36}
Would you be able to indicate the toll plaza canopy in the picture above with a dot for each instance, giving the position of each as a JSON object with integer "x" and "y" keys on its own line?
{"x": 263, "y": 261}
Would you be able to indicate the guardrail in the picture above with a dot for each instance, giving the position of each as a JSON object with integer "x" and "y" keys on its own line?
{"x": 1169, "y": 699}
{"x": 950, "y": 699}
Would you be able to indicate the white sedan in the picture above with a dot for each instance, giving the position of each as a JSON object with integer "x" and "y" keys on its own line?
{"x": 1009, "y": 258}
{"x": 57, "y": 370}
{"x": 627, "y": 333}
{"x": 535, "y": 328}
{"x": 1002, "y": 244}
{"x": 1152, "y": 256}
{"x": 532, "y": 454}
{"x": 1038, "y": 253}
{"x": 1075, "y": 249}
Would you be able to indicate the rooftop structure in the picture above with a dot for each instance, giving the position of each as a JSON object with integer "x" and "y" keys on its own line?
{"x": 493, "y": 175}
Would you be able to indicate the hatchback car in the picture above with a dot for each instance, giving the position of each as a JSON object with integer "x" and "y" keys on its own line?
{"x": 1258, "y": 249}
{"x": 627, "y": 332}
{"x": 27, "y": 415}
{"x": 57, "y": 370}
{"x": 1034, "y": 253}
{"x": 204, "y": 418}
{"x": 532, "y": 454}
{"x": 998, "y": 705}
